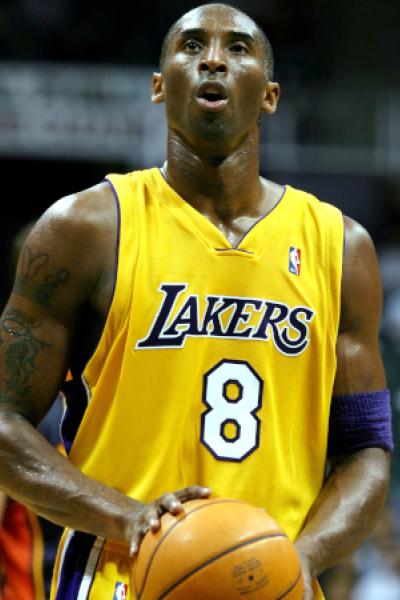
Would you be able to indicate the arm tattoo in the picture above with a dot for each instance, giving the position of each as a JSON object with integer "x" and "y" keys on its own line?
{"x": 21, "y": 348}
{"x": 31, "y": 284}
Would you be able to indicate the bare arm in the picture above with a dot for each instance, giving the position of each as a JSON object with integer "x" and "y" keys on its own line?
{"x": 350, "y": 501}
{"x": 61, "y": 270}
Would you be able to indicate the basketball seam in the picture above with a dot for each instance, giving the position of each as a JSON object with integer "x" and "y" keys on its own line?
{"x": 216, "y": 501}
{"x": 218, "y": 556}
{"x": 291, "y": 587}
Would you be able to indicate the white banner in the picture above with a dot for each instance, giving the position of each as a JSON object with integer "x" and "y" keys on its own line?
{"x": 80, "y": 112}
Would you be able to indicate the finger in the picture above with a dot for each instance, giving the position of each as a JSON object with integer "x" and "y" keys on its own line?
{"x": 170, "y": 503}
{"x": 137, "y": 538}
{"x": 134, "y": 545}
{"x": 152, "y": 519}
{"x": 308, "y": 593}
{"x": 149, "y": 521}
{"x": 192, "y": 492}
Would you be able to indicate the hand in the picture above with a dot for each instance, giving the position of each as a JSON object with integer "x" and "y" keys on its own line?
{"x": 146, "y": 516}
{"x": 308, "y": 593}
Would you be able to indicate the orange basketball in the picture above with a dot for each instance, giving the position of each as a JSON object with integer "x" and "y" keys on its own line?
{"x": 217, "y": 549}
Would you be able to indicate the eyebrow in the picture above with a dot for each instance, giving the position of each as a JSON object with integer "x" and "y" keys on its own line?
{"x": 242, "y": 35}
{"x": 198, "y": 31}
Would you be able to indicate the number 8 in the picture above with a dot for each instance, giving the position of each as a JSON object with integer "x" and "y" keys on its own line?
{"x": 230, "y": 428}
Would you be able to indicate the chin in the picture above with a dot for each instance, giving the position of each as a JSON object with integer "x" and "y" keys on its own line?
{"x": 217, "y": 133}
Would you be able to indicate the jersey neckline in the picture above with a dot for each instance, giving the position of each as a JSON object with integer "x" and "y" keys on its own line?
{"x": 259, "y": 233}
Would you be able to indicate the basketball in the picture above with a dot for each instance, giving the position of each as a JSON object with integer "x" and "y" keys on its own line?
{"x": 217, "y": 549}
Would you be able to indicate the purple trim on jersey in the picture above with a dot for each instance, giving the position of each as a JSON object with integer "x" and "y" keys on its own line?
{"x": 117, "y": 203}
{"x": 358, "y": 421}
{"x": 74, "y": 565}
{"x": 77, "y": 400}
{"x": 260, "y": 219}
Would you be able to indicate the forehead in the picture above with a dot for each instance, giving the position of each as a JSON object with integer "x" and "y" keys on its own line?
{"x": 217, "y": 19}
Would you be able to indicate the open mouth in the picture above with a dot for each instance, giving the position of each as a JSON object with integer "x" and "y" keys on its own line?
{"x": 212, "y": 97}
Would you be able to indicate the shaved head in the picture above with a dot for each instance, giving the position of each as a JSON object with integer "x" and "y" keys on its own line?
{"x": 268, "y": 52}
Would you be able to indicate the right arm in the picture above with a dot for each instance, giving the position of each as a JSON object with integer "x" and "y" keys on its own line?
{"x": 60, "y": 271}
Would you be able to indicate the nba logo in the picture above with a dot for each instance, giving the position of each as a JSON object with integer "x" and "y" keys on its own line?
{"x": 294, "y": 260}
{"x": 121, "y": 591}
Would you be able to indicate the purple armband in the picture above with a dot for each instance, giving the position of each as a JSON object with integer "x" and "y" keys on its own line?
{"x": 362, "y": 420}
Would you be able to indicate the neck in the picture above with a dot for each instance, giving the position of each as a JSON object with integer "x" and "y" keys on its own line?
{"x": 224, "y": 187}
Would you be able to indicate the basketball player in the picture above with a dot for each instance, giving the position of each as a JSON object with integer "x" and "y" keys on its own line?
{"x": 231, "y": 341}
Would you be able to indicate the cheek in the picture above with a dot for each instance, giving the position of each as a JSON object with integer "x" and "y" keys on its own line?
{"x": 251, "y": 91}
{"x": 177, "y": 83}
{"x": 252, "y": 84}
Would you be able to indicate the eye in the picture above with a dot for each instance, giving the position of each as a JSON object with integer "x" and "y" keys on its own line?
{"x": 192, "y": 45}
{"x": 239, "y": 48}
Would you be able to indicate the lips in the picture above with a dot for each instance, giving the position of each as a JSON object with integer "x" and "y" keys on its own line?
{"x": 212, "y": 96}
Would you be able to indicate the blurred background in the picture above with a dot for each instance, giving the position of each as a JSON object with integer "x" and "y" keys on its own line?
{"x": 74, "y": 105}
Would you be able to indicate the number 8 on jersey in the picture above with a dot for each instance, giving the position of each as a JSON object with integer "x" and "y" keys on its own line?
{"x": 232, "y": 392}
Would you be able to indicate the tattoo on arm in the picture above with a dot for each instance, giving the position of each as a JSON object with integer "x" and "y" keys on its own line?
{"x": 21, "y": 348}
{"x": 31, "y": 284}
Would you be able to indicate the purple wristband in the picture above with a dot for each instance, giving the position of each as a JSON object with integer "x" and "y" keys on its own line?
{"x": 362, "y": 420}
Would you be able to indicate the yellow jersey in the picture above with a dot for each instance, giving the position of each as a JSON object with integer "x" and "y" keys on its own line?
{"x": 216, "y": 363}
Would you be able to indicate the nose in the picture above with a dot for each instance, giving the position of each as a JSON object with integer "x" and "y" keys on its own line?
{"x": 213, "y": 61}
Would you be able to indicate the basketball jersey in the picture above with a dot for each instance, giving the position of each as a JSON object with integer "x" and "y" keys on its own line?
{"x": 216, "y": 363}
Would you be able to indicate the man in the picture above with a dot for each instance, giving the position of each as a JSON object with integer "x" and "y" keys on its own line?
{"x": 210, "y": 345}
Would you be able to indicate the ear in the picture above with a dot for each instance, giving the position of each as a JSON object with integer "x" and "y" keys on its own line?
{"x": 157, "y": 93}
{"x": 271, "y": 97}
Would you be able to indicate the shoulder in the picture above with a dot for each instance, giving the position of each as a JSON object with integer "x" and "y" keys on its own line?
{"x": 360, "y": 262}
{"x": 357, "y": 240}
{"x": 87, "y": 211}
{"x": 79, "y": 223}
{"x": 361, "y": 281}
{"x": 76, "y": 236}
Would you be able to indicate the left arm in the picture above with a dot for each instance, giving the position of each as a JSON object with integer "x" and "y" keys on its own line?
{"x": 349, "y": 503}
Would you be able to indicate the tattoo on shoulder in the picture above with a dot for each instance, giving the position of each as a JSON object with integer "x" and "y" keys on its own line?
{"x": 31, "y": 283}
{"x": 21, "y": 348}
